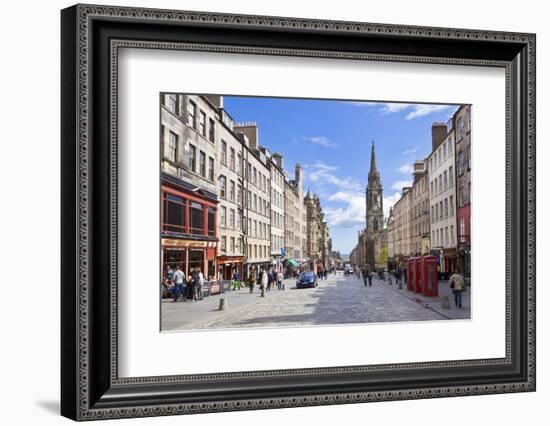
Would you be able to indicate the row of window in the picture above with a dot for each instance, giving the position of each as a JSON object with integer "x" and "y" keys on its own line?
{"x": 443, "y": 209}
{"x": 257, "y": 229}
{"x": 443, "y": 237}
{"x": 235, "y": 245}
{"x": 277, "y": 219}
{"x": 171, "y": 153}
{"x": 277, "y": 241}
{"x": 442, "y": 182}
{"x": 258, "y": 252}
{"x": 172, "y": 102}
{"x": 236, "y": 164}
{"x": 463, "y": 160}
{"x": 187, "y": 216}
{"x": 444, "y": 151}
{"x": 277, "y": 198}
{"x": 420, "y": 229}
{"x": 277, "y": 178}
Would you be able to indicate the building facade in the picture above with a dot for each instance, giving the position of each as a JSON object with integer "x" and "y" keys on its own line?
{"x": 256, "y": 196}
{"x": 277, "y": 208}
{"x": 231, "y": 254}
{"x": 463, "y": 190}
{"x": 441, "y": 170}
{"x": 189, "y": 200}
{"x": 318, "y": 240}
{"x": 420, "y": 210}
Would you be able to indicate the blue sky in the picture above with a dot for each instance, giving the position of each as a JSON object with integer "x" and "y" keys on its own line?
{"x": 332, "y": 140}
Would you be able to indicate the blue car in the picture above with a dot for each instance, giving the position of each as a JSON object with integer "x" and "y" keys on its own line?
{"x": 306, "y": 279}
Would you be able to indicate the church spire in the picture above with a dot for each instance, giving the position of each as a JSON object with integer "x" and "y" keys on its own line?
{"x": 373, "y": 169}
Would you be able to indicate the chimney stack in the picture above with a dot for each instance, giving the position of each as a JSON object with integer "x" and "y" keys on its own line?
{"x": 250, "y": 130}
{"x": 439, "y": 131}
{"x": 278, "y": 158}
{"x": 419, "y": 169}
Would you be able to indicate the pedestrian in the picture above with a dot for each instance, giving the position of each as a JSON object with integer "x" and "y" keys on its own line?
{"x": 263, "y": 279}
{"x": 270, "y": 279}
{"x": 456, "y": 282}
{"x": 251, "y": 280}
{"x": 200, "y": 283}
{"x": 179, "y": 278}
{"x": 280, "y": 281}
{"x": 398, "y": 275}
{"x": 197, "y": 290}
{"x": 369, "y": 275}
{"x": 235, "y": 281}
{"x": 365, "y": 276}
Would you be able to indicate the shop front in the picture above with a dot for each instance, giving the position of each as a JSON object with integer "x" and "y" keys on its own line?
{"x": 447, "y": 260}
{"x": 188, "y": 255}
{"x": 229, "y": 265}
{"x": 188, "y": 229}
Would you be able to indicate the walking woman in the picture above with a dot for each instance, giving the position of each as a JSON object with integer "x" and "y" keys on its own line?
{"x": 457, "y": 284}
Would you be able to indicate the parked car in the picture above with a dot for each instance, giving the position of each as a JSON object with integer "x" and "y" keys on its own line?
{"x": 306, "y": 279}
{"x": 348, "y": 271}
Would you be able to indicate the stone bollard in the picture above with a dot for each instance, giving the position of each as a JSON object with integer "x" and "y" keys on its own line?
{"x": 445, "y": 302}
{"x": 262, "y": 293}
{"x": 223, "y": 304}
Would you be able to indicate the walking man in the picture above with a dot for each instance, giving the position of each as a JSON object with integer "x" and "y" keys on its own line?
{"x": 457, "y": 284}
{"x": 179, "y": 278}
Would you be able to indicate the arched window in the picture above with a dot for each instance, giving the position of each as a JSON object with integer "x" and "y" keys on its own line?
{"x": 375, "y": 226}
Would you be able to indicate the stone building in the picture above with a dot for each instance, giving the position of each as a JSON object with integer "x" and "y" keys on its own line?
{"x": 463, "y": 189}
{"x": 230, "y": 190}
{"x": 277, "y": 208}
{"x": 314, "y": 227}
{"x": 399, "y": 228}
{"x": 256, "y": 196}
{"x": 420, "y": 210}
{"x": 295, "y": 217}
{"x": 189, "y": 200}
{"x": 319, "y": 244}
{"x": 441, "y": 172}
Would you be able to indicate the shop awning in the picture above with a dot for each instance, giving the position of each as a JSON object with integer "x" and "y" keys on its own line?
{"x": 292, "y": 262}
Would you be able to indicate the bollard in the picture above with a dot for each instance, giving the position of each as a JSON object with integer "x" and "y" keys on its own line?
{"x": 445, "y": 302}
{"x": 262, "y": 293}
{"x": 400, "y": 285}
{"x": 223, "y": 304}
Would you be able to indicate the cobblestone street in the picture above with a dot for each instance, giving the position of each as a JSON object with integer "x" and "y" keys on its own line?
{"x": 337, "y": 300}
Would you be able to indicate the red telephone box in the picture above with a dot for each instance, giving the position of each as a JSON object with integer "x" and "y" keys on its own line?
{"x": 411, "y": 271}
{"x": 418, "y": 275}
{"x": 429, "y": 276}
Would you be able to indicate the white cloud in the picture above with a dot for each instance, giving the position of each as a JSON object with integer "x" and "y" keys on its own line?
{"x": 321, "y": 140}
{"x": 410, "y": 151}
{"x": 405, "y": 169}
{"x": 351, "y": 214}
{"x": 400, "y": 184}
{"x": 414, "y": 110}
{"x": 422, "y": 110}
{"x": 321, "y": 165}
{"x": 321, "y": 174}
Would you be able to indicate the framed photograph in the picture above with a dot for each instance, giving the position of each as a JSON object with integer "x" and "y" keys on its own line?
{"x": 264, "y": 212}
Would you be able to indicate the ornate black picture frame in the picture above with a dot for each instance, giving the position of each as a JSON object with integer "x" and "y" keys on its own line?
{"x": 91, "y": 388}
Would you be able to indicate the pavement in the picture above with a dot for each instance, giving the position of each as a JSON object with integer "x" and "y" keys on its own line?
{"x": 337, "y": 300}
